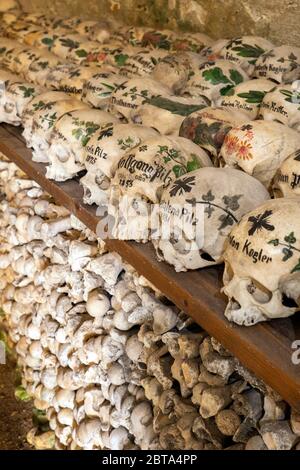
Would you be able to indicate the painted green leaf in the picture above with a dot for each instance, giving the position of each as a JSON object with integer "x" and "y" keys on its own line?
{"x": 227, "y": 90}
{"x": 297, "y": 267}
{"x": 274, "y": 242}
{"x": 47, "y": 41}
{"x": 193, "y": 164}
{"x": 253, "y": 96}
{"x": 290, "y": 239}
{"x": 235, "y": 76}
{"x": 174, "y": 107}
{"x": 178, "y": 170}
{"x": 215, "y": 76}
{"x": 81, "y": 53}
{"x": 121, "y": 59}
{"x": 247, "y": 50}
{"x": 288, "y": 253}
{"x": 27, "y": 92}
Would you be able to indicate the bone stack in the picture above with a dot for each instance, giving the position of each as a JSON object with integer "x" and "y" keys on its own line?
{"x": 110, "y": 360}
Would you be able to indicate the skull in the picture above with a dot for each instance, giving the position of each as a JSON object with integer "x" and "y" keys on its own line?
{"x": 275, "y": 63}
{"x": 65, "y": 44}
{"x": 134, "y": 92}
{"x": 262, "y": 264}
{"x": 15, "y": 98}
{"x": 174, "y": 70}
{"x": 159, "y": 39}
{"x": 40, "y": 102}
{"x": 98, "y": 32}
{"x": 282, "y": 105}
{"x": 142, "y": 174}
{"x": 259, "y": 148}
{"x": 223, "y": 196}
{"x": 166, "y": 113}
{"x": 9, "y": 54}
{"x": 193, "y": 42}
{"x": 209, "y": 126}
{"x": 98, "y": 89}
{"x": 69, "y": 78}
{"x": 102, "y": 154}
{"x": 142, "y": 63}
{"x": 245, "y": 51}
{"x": 287, "y": 179}
{"x": 212, "y": 51}
{"x": 43, "y": 121}
{"x": 70, "y": 135}
{"x": 215, "y": 79}
{"x": 247, "y": 96}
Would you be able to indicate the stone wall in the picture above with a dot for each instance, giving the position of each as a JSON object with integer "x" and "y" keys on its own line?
{"x": 276, "y": 19}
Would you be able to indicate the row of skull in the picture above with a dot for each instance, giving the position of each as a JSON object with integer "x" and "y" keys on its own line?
{"x": 129, "y": 164}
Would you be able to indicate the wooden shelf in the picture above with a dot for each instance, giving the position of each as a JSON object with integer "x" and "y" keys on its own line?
{"x": 266, "y": 349}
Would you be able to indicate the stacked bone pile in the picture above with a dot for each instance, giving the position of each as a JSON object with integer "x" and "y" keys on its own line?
{"x": 110, "y": 361}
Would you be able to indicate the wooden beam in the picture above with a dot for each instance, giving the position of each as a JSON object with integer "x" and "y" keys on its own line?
{"x": 266, "y": 348}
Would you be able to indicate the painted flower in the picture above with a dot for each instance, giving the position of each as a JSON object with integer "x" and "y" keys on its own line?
{"x": 244, "y": 151}
{"x": 231, "y": 144}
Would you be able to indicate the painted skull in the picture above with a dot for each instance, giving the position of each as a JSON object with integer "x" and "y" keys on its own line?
{"x": 275, "y": 63}
{"x": 143, "y": 173}
{"x": 175, "y": 70}
{"x": 209, "y": 126}
{"x": 262, "y": 264}
{"x": 14, "y": 97}
{"x": 131, "y": 94}
{"x": 43, "y": 121}
{"x": 287, "y": 179}
{"x": 102, "y": 154}
{"x": 282, "y": 105}
{"x": 166, "y": 113}
{"x": 205, "y": 203}
{"x": 98, "y": 89}
{"x": 191, "y": 42}
{"x": 215, "y": 79}
{"x": 247, "y": 96}
{"x": 69, "y": 78}
{"x": 71, "y": 133}
{"x": 259, "y": 148}
{"x": 245, "y": 51}
{"x": 142, "y": 62}
{"x": 39, "y": 102}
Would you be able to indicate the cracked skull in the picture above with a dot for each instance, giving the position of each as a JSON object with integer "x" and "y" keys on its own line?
{"x": 198, "y": 211}
{"x": 262, "y": 264}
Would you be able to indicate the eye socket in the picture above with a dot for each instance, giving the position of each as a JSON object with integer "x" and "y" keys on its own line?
{"x": 207, "y": 257}
{"x": 288, "y": 302}
{"x": 259, "y": 292}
